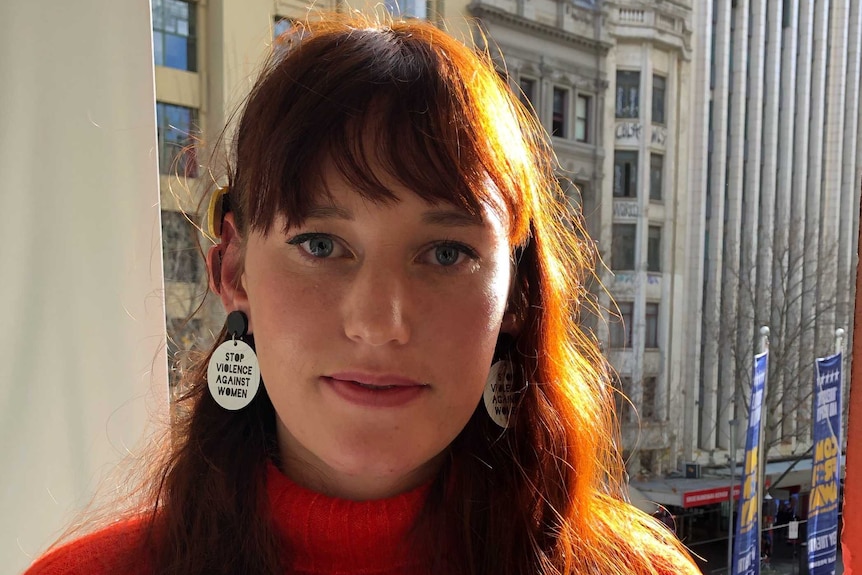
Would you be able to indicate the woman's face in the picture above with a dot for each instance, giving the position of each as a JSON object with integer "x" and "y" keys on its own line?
{"x": 375, "y": 326}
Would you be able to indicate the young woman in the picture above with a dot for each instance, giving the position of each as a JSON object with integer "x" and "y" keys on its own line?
{"x": 396, "y": 260}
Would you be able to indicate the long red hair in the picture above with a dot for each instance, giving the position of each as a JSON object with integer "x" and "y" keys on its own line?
{"x": 546, "y": 496}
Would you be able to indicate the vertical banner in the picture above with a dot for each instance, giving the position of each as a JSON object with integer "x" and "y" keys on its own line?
{"x": 826, "y": 471}
{"x": 746, "y": 555}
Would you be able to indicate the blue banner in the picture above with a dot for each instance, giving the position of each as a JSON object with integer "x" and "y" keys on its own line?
{"x": 746, "y": 555}
{"x": 826, "y": 470}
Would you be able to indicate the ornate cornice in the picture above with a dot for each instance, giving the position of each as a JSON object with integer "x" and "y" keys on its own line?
{"x": 493, "y": 14}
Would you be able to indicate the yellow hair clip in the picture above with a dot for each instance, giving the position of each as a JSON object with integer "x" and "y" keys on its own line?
{"x": 219, "y": 205}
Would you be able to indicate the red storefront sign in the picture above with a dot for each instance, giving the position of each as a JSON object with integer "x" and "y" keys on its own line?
{"x": 707, "y": 496}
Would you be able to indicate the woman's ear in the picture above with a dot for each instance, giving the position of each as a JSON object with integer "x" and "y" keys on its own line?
{"x": 225, "y": 268}
{"x": 513, "y": 316}
{"x": 512, "y": 323}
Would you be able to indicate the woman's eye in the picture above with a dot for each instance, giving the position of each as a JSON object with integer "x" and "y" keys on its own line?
{"x": 315, "y": 245}
{"x": 448, "y": 254}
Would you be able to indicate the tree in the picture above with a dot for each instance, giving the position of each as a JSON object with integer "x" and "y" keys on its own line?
{"x": 800, "y": 317}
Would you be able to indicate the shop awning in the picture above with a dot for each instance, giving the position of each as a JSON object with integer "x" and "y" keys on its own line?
{"x": 686, "y": 492}
{"x": 715, "y": 488}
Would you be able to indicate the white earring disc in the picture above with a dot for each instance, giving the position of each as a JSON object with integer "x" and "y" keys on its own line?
{"x": 499, "y": 393}
{"x": 233, "y": 374}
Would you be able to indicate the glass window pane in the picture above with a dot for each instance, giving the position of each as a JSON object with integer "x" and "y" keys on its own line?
{"x": 528, "y": 92}
{"x": 560, "y": 112}
{"x": 174, "y": 44}
{"x": 282, "y": 25}
{"x": 176, "y": 136}
{"x": 158, "y": 12}
{"x": 158, "y": 49}
{"x": 654, "y": 249}
{"x": 582, "y": 107}
{"x": 656, "y": 176}
{"x": 651, "y": 335}
{"x": 625, "y": 174}
{"x": 620, "y": 328}
{"x": 648, "y": 399}
{"x": 628, "y": 94}
{"x": 623, "y": 247}
{"x": 182, "y": 260}
{"x": 176, "y": 52}
{"x": 582, "y": 118}
{"x": 658, "y": 106}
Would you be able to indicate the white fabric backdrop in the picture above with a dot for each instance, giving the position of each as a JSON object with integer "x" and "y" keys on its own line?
{"x": 82, "y": 328}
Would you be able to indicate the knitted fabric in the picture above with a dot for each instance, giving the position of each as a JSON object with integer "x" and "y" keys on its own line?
{"x": 324, "y": 536}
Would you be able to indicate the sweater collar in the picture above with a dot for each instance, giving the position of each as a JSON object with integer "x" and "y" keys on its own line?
{"x": 330, "y": 535}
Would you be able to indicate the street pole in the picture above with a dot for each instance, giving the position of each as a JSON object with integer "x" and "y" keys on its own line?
{"x": 732, "y": 452}
{"x": 761, "y": 456}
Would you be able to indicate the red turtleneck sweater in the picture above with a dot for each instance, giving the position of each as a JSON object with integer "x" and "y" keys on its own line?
{"x": 325, "y": 536}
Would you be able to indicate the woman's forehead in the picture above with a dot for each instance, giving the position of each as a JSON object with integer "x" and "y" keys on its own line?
{"x": 342, "y": 201}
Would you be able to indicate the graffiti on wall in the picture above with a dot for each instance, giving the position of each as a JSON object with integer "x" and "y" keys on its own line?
{"x": 628, "y": 131}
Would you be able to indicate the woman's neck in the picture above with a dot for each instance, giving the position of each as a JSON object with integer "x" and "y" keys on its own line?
{"x": 310, "y": 472}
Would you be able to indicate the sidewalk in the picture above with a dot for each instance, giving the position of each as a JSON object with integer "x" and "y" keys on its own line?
{"x": 788, "y": 560}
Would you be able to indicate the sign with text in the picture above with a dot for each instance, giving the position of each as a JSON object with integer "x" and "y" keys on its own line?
{"x": 746, "y": 555}
{"x": 708, "y": 496}
{"x": 826, "y": 470}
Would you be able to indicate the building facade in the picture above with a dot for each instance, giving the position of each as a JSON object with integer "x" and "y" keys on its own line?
{"x": 643, "y": 225}
{"x": 774, "y": 185}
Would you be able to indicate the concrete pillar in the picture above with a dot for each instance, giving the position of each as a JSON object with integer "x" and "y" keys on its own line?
{"x": 833, "y": 156}
{"x": 783, "y": 197}
{"x": 728, "y": 369}
{"x": 802, "y": 131}
{"x": 768, "y": 179}
{"x": 694, "y": 269}
{"x": 847, "y": 239}
{"x": 749, "y": 225}
{"x": 715, "y": 223}
{"x": 811, "y": 269}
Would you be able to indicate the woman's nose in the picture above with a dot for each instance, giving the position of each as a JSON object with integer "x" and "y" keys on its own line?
{"x": 375, "y": 307}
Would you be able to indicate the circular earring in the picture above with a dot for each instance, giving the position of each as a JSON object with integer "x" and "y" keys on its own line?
{"x": 500, "y": 393}
{"x": 233, "y": 373}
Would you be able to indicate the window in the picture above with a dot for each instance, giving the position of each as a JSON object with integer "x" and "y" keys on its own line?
{"x": 623, "y": 247}
{"x": 656, "y": 176}
{"x": 625, "y": 174}
{"x": 654, "y": 249}
{"x": 647, "y": 462}
{"x": 409, "y": 8}
{"x": 560, "y": 115}
{"x": 184, "y": 337}
{"x": 281, "y": 25}
{"x": 658, "y": 89}
{"x": 582, "y": 118}
{"x": 177, "y": 126}
{"x": 528, "y": 92}
{"x": 651, "y": 335}
{"x": 623, "y": 387}
{"x": 621, "y": 329}
{"x": 628, "y": 94}
{"x": 182, "y": 262}
{"x": 174, "y": 41}
{"x": 648, "y": 400}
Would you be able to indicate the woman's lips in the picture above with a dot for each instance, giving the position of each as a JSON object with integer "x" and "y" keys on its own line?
{"x": 374, "y": 390}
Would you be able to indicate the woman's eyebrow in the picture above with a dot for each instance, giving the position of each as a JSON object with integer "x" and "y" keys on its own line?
{"x": 451, "y": 217}
{"x": 329, "y": 212}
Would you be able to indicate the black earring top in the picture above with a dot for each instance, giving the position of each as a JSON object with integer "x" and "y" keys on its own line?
{"x": 237, "y": 324}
